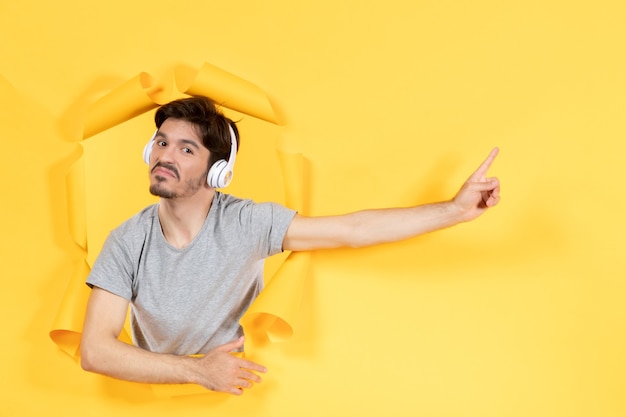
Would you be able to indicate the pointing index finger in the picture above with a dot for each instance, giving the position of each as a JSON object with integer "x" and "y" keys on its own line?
{"x": 481, "y": 172}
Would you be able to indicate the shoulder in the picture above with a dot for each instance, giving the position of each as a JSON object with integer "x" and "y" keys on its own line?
{"x": 222, "y": 200}
{"x": 138, "y": 225}
{"x": 228, "y": 205}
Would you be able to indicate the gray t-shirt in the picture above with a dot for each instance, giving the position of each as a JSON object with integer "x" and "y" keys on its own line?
{"x": 188, "y": 301}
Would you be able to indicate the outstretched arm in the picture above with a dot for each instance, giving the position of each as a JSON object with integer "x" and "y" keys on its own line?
{"x": 371, "y": 227}
{"x": 103, "y": 353}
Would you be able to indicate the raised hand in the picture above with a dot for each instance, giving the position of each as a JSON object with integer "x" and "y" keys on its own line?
{"x": 479, "y": 191}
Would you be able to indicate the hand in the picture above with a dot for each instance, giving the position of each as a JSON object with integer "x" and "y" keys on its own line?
{"x": 221, "y": 371}
{"x": 479, "y": 192}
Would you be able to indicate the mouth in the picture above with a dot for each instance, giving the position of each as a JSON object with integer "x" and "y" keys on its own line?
{"x": 165, "y": 171}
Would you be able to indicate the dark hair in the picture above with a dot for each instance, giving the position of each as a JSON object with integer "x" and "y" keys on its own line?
{"x": 210, "y": 123}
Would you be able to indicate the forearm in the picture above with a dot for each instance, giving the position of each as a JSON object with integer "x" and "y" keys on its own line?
{"x": 103, "y": 353}
{"x": 371, "y": 227}
{"x": 122, "y": 361}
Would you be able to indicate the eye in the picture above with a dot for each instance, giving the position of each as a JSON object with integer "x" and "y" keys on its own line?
{"x": 161, "y": 143}
{"x": 188, "y": 151}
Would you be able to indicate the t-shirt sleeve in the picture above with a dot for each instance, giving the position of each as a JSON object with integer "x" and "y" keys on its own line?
{"x": 113, "y": 269}
{"x": 282, "y": 219}
{"x": 269, "y": 222}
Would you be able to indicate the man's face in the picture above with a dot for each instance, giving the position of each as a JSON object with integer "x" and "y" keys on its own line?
{"x": 178, "y": 162}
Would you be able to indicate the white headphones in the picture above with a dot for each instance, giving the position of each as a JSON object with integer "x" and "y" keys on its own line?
{"x": 221, "y": 172}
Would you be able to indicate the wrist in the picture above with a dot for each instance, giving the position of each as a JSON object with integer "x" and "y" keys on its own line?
{"x": 189, "y": 370}
{"x": 456, "y": 212}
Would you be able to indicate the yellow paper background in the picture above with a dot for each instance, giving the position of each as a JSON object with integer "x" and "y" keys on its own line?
{"x": 519, "y": 313}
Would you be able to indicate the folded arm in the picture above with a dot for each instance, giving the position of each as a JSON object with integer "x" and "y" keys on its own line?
{"x": 103, "y": 353}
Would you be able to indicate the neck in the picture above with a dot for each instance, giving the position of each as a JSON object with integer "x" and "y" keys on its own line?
{"x": 182, "y": 218}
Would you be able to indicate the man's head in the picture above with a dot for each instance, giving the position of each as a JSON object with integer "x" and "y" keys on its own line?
{"x": 211, "y": 124}
{"x": 191, "y": 136}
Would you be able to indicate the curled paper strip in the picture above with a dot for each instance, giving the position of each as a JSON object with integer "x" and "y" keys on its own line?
{"x": 75, "y": 183}
{"x": 133, "y": 98}
{"x": 68, "y": 322}
{"x": 296, "y": 176}
{"x": 279, "y": 302}
{"x": 227, "y": 90}
{"x": 274, "y": 310}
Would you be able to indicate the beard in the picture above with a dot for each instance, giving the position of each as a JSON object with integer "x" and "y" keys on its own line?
{"x": 159, "y": 189}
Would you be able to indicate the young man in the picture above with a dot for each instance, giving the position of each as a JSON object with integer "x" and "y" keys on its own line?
{"x": 192, "y": 264}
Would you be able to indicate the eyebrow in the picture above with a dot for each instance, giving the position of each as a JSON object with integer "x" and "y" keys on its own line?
{"x": 190, "y": 142}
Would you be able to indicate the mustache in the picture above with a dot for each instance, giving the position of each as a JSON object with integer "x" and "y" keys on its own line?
{"x": 169, "y": 167}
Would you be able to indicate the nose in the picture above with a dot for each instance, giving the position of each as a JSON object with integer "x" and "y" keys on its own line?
{"x": 163, "y": 154}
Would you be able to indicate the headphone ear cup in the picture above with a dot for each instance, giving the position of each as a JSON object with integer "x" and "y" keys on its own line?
{"x": 221, "y": 173}
{"x": 147, "y": 150}
{"x": 218, "y": 176}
